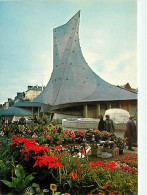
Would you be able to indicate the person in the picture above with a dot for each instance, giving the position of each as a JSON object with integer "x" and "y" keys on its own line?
{"x": 109, "y": 126}
{"x": 101, "y": 125}
{"x": 130, "y": 132}
{"x": 35, "y": 119}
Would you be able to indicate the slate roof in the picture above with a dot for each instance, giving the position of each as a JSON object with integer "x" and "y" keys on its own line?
{"x": 27, "y": 104}
{"x": 15, "y": 111}
{"x": 35, "y": 88}
{"x": 72, "y": 79}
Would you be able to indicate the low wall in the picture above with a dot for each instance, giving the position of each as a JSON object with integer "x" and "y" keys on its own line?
{"x": 88, "y": 123}
{"x": 79, "y": 125}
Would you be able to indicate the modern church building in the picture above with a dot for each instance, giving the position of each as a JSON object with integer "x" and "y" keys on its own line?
{"x": 74, "y": 89}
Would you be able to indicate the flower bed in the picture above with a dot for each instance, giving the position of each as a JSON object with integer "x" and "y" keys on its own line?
{"x": 42, "y": 154}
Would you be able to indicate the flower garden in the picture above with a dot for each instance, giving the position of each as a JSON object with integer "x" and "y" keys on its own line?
{"x": 42, "y": 159}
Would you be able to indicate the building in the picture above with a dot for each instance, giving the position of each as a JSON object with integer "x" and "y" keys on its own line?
{"x": 74, "y": 89}
{"x": 21, "y": 105}
{"x": 19, "y": 97}
{"x": 33, "y": 92}
{"x": 7, "y": 104}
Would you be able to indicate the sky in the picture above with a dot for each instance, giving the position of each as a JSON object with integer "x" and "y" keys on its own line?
{"x": 108, "y": 38}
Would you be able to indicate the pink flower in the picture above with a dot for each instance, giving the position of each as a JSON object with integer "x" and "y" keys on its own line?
{"x": 34, "y": 136}
{"x": 48, "y": 137}
{"x": 29, "y": 131}
{"x": 44, "y": 133}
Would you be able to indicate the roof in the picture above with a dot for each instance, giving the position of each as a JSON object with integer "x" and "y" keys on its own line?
{"x": 27, "y": 104}
{"x": 72, "y": 79}
{"x": 14, "y": 111}
{"x": 35, "y": 88}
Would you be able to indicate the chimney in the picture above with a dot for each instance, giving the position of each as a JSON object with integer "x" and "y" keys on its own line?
{"x": 29, "y": 87}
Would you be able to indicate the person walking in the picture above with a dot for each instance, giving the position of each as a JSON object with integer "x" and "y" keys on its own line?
{"x": 101, "y": 125}
{"x": 130, "y": 132}
{"x": 109, "y": 126}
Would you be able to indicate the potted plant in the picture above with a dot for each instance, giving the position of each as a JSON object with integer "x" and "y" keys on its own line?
{"x": 120, "y": 144}
{"x": 105, "y": 135}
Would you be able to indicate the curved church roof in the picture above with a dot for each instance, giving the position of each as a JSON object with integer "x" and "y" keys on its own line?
{"x": 72, "y": 80}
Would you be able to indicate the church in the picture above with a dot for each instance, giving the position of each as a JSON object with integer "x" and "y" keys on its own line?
{"x": 74, "y": 89}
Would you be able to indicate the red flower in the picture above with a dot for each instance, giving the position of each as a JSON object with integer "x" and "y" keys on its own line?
{"x": 61, "y": 154}
{"x": 57, "y": 142}
{"x": 65, "y": 135}
{"x": 110, "y": 164}
{"x": 73, "y": 175}
{"x": 82, "y": 151}
{"x": 30, "y": 145}
{"x": 20, "y": 139}
{"x": 73, "y": 136}
{"x": 108, "y": 185}
{"x": 116, "y": 192}
{"x": 57, "y": 148}
{"x": 78, "y": 166}
{"x": 51, "y": 161}
{"x": 14, "y": 137}
{"x": 26, "y": 157}
{"x": 54, "y": 130}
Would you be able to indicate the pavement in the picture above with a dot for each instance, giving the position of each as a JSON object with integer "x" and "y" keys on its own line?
{"x": 126, "y": 151}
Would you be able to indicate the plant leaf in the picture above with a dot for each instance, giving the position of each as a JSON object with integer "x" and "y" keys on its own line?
{"x": 8, "y": 183}
{"x": 19, "y": 172}
{"x": 1, "y": 163}
{"x": 57, "y": 193}
{"x": 28, "y": 179}
{"x": 35, "y": 185}
{"x": 15, "y": 180}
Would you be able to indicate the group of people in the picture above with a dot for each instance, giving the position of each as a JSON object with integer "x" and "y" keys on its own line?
{"x": 130, "y": 132}
{"x": 106, "y": 125}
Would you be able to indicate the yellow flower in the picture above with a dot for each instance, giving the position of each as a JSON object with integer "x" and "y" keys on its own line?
{"x": 53, "y": 187}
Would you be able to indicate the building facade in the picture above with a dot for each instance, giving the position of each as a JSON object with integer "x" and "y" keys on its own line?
{"x": 32, "y": 92}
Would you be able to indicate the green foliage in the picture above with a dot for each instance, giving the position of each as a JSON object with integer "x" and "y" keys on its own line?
{"x": 119, "y": 143}
{"x": 94, "y": 180}
{"x": 44, "y": 120}
{"x": 5, "y": 157}
{"x": 20, "y": 182}
{"x": 5, "y": 168}
{"x": 57, "y": 121}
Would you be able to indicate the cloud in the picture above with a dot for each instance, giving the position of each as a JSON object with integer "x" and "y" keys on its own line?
{"x": 113, "y": 64}
{"x": 120, "y": 70}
